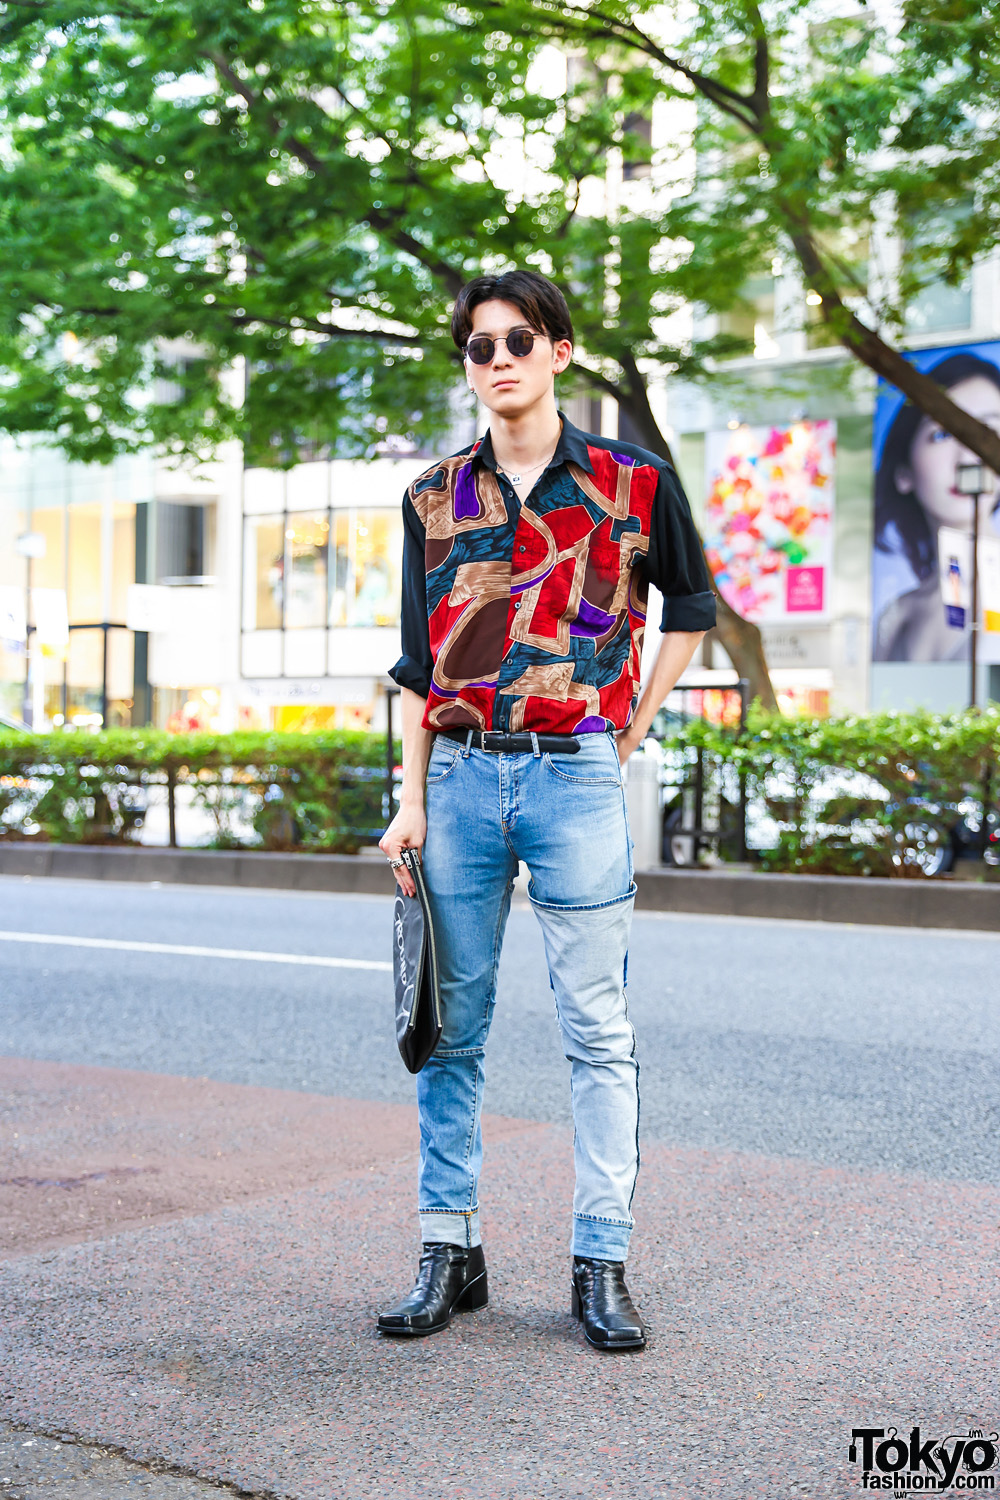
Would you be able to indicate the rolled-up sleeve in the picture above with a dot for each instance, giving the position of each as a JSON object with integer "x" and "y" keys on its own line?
{"x": 414, "y": 667}
{"x": 675, "y": 563}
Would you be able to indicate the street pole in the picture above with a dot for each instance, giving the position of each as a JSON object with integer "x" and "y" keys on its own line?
{"x": 30, "y": 544}
{"x": 973, "y": 642}
{"x": 974, "y": 480}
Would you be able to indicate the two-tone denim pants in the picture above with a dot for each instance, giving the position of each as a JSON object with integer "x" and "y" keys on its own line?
{"x": 564, "y": 815}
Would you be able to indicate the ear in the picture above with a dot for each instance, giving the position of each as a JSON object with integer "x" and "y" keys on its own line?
{"x": 562, "y": 353}
{"x": 903, "y": 478}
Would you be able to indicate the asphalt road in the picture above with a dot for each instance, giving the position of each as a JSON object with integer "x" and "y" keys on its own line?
{"x": 859, "y": 1047}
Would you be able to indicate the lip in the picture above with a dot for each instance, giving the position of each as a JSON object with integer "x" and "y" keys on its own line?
{"x": 500, "y": 385}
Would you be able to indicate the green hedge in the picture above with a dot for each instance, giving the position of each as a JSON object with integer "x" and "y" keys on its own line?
{"x": 327, "y": 791}
{"x": 323, "y": 791}
{"x": 920, "y": 771}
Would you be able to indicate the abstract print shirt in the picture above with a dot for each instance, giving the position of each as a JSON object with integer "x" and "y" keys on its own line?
{"x": 529, "y": 615}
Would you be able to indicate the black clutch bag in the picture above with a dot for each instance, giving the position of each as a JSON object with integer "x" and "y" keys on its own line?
{"x": 415, "y": 971}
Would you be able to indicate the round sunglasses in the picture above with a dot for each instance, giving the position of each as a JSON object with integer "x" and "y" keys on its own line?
{"x": 482, "y": 348}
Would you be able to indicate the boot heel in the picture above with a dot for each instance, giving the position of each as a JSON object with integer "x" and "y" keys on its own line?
{"x": 575, "y": 1304}
{"x": 476, "y": 1294}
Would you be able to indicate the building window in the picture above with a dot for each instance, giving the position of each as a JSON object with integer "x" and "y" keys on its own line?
{"x": 936, "y": 307}
{"x": 263, "y": 572}
{"x": 306, "y": 540}
{"x": 84, "y": 581}
{"x": 180, "y": 541}
{"x": 753, "y": 318}
{"x": 365, "y": 582}
{"x": 308, "y": 571}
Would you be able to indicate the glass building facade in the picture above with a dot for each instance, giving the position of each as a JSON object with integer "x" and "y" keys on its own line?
{"x": 319, "y": 618}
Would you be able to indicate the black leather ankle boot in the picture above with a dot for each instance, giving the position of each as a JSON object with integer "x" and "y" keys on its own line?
{"x": 451, "y": 1279}
{"x": 601, "y": 1301}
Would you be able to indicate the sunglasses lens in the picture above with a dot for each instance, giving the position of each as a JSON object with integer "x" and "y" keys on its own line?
{"x": 520, "y": 342}
{"x": 480, "y": 350}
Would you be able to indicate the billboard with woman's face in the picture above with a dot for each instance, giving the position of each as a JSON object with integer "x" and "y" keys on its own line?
{"x": 923, "y": 523}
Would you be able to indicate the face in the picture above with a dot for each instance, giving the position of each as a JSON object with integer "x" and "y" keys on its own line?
{"x": 511, "y": 385}
{"x": 934, "y": 454}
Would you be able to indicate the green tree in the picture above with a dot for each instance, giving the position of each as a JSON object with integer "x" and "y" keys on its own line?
{"x": 298, "y": 188}
{"x": 809, "y": 125}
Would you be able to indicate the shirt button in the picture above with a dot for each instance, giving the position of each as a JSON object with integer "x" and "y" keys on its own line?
{"x": 518, "y": 604}
{"x": 520, "y": 549}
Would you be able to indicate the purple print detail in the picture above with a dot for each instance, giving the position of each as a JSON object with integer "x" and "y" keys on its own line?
{"x": 466, "y": 499}
{"x": 518, "y": 588}
{"x": 457, "y": 692}
{"x": 591, "y": 621}
{"x": 624, "y": 459}
{"x": 590, "y": 725}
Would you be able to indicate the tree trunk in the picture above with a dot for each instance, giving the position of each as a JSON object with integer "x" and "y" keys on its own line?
{"x": 745, "y": 649}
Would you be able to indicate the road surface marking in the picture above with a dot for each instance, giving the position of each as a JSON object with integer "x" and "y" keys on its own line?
{"x": 194, "y": 952}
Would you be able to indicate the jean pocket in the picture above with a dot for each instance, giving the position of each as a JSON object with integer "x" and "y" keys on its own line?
{"x": 593, "y": 764}
{"x": 445, "y": 756}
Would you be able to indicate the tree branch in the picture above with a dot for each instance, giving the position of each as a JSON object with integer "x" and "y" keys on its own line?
{"x": 594, "y": 25}
{"x": 386, "y": 224}
{"x": 884, "y": 360}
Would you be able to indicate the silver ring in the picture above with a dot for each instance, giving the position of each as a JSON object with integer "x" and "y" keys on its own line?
{"x": 394, "y": 864}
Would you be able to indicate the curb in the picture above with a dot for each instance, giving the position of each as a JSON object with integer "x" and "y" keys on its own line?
{"x": 866, "y": 900}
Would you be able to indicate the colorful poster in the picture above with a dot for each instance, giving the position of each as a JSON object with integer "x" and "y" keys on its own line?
{"x": 921, "y": 567}
{"x": 768, "y": 520}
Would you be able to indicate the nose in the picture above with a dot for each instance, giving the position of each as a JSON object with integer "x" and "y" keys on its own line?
{"x": 501, "y": 359}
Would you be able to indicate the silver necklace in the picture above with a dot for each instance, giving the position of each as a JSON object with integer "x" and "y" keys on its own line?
{"x": 518, "y": 478}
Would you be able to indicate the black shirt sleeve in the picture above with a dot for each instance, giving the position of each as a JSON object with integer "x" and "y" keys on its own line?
{"x": 676, "y": 563}
{"x": 414, "y": 667}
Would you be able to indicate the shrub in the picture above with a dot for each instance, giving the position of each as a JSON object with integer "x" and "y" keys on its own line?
{"x": 312, "y": 791}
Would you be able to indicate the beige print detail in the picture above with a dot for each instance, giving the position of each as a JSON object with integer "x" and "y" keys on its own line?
{"x": 624, "y": 489}
{"x": 483, "y": 580}
{"x": 559, "y": 643}
{"x": 555, "y": 682}
{"x": 436, "y": 507}
{"x": 618, "y": 507}
{"x": 638, "y": 594}
{"x": 442, "y": 708}
{"x": 630, "y": 544}
{"x": 551, "y": 553}
{"x": 476, "y": 585}
{"x": 543, "y": 681}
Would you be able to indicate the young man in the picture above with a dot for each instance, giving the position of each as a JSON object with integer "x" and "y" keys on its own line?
{"x": 526, "y": 564}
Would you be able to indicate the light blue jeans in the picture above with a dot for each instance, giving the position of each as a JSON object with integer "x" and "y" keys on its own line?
{"x": 564, "y": 816}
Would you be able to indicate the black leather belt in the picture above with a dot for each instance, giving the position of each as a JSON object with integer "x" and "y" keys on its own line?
{"x": 514, "y": 744}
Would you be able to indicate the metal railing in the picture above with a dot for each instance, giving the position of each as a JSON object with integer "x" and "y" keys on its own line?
{"x": 694, "y": 815}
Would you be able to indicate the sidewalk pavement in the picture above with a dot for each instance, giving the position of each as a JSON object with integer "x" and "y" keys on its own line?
{"x": 192, "y": 1270}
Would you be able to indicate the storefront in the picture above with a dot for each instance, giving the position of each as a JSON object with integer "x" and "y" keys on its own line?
{"x": 68, "y": 558}
{"x": 322, "y": 549}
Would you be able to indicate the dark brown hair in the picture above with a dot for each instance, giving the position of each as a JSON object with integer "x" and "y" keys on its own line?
{"x": 538, "y": 299}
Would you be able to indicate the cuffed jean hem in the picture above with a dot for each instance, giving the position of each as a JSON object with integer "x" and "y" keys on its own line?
{"x": 600, "y": 1239}
{"x": 446, "y": 1227}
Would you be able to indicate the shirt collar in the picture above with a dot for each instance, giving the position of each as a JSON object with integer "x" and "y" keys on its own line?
{"x": 571, "y": 448}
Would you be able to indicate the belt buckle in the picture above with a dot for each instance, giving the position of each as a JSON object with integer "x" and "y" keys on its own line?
{"x": 492, "y": 735}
